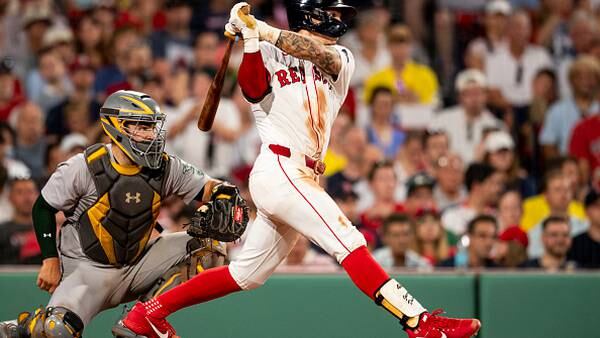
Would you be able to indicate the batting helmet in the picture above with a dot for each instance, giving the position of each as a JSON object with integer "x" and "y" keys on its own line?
{"x": 121, "y": 113}
{"x": 312, "y": 15}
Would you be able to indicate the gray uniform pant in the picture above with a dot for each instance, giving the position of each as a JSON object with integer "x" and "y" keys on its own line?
{"x": 88, "y": 287}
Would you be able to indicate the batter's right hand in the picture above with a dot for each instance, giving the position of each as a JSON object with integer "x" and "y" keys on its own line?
{"x": 49, "y": 276}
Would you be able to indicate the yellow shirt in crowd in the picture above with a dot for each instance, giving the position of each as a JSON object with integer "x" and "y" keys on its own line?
{"x": 334, "y": 162}
{"x": 536, "y": 208}
{"x": 418, "y": 78}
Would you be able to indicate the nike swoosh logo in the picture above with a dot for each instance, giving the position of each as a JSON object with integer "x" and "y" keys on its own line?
{"x": 160, "y": 334}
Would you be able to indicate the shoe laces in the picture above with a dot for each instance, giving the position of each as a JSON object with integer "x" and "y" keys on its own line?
{"x": 440, "y": 321}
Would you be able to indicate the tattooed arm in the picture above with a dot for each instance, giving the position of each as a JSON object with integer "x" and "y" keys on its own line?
{"x": 307, "y": 48}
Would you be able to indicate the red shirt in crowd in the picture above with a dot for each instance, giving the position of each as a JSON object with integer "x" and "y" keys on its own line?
{"x": 585, "y": 144}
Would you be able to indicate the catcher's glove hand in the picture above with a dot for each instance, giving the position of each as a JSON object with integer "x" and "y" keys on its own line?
{"x": 223, "y": 218}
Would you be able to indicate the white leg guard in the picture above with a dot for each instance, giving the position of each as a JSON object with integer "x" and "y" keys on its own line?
{"x": 394, "y": 298}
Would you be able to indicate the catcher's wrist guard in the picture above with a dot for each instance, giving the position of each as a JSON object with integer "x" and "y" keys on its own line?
{"x": 223, "y": 218}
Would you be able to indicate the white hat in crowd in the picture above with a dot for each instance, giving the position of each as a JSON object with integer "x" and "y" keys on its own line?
{"x": 72, "y": 141}
{"x": 498, "y": 140}
{"x": 498, "y": 7}
{"x": 470, "y": 78}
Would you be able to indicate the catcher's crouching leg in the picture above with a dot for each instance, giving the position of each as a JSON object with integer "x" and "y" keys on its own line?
{"x": 52, "y": 322}
{"x": 203, "y": 254}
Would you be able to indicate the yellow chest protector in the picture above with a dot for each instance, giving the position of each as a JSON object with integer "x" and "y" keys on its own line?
{"x": 117, "y": 227}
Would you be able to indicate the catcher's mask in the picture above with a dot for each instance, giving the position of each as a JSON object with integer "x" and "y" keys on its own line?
{"x": 312, "y": 15}
{"x": 134, "y": 123}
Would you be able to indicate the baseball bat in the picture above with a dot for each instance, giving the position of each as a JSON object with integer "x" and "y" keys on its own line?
{"x": 211, "y": 103}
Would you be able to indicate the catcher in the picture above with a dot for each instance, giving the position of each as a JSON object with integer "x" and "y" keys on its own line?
{"x": 111, "y": 195}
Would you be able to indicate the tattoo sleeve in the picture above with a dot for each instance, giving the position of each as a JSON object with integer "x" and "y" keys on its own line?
{"x": 303, "y": 47}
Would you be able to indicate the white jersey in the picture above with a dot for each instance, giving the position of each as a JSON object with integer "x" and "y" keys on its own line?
{"x": 299, "y": 111}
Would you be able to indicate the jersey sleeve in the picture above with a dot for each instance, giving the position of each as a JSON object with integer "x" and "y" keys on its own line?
{"x": 67, "y": 184}
{"x": 342, "y": 82}
{"x": 184, "y": 180}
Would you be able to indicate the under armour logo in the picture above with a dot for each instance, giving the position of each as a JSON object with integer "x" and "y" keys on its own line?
{"x": 46, "y": 235}
{"x": 136, "y": 197}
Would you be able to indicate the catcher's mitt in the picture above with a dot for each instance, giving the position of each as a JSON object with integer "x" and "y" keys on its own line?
{"x": 223, "y": 218}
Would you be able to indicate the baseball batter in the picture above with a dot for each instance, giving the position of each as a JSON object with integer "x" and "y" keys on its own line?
{"x": 111, "y": 195}
{"x": 296, "y": 81}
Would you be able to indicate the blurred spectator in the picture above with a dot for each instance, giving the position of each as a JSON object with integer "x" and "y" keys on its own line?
{"x": 466, "y": 122}
{"x": 585, "y": 251}
{"x": 368, "y": 45}
{"x": 49, "y": 83}
{"x": 510, "y": 210}
{"x": 409, "y": 161}
{"x": 449, "y": 175}
{"x": 482, "y": 232}
{"x": 510, "y": 251}
{"x": 495, "y": 24}
{"x": 557, "y": 200}
{"x": 174, "y": 42}
{"x": 11, "y": 92}
{"x": 80, "y": 99}
{"x": 556, "y": 239}
{"x": 211, "y": 151}
{"x": 36, "y": 20}
{"x": 205, "y": 50}
{"x": 584, "y": 76}
{"x": 118, "y": 61}
{"x": 302, "y": 255}
{"x": 60, "y": 39}
{"x": 499, "y": 150}
{"x": 584, "y": 145}
{"x": 382, "y": 132}
{"x": 16, "y": 169}
{"x": 484, "y": 185}
{"x": 54, "y": 156}
{"x": 18, "y": 243}
{"x": 545, "y": 93}
{"x": 73, "y": 144}
{"x": 354, "y": 174}
{"x": 335, "y": 159}
{"x": 419, "y": 193}
{"x": 90, "y": 45}
{"x": 436, "y": 144}
{"x": 138, "y": 59}
{"x": 553, "y": 32}
{"x": 382, "y": 181}
{"x": 397, "y": 235}
{"x": 583, "y": 27}
{"x": 536, "y": 208}
{"x": 430, "y": 240}
{"x": 30, "y": 144}
{"x": 410, "y": 82}
{"x": 511, "y": 70}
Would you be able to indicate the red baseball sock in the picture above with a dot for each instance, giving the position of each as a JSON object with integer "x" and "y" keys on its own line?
{"x": 208, "y": 285}
{"x": 364, "y": 271}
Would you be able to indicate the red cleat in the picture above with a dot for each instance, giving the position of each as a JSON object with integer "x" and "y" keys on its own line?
{"x": 432, "y": 325}
{"x": 140, "y": 322}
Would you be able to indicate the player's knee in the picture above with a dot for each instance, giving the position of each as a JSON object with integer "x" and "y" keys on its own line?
{"x": 54, "y": 322}
{"x": 246, "y": 279}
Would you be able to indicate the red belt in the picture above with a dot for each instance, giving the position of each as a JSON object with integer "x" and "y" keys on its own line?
{"x": 316, "y": 165}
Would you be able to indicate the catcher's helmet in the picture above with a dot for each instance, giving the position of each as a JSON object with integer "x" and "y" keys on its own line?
{"x": 312, "y": 15}
{"x": 126, "y": 107}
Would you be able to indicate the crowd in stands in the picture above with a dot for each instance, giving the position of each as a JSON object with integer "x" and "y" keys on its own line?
{"x": 470, "y": 137}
